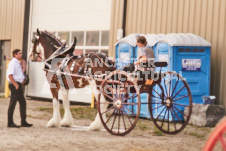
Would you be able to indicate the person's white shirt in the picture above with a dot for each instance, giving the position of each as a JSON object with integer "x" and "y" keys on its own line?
{"x": 14, "y": 68}
{"x": 141, "y": 51}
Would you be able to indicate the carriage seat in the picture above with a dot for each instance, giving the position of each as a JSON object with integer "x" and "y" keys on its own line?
{"x": 152, "y": 64}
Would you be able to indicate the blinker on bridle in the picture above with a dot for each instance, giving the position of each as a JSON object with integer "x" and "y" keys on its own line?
{"x": 34, "y": 40}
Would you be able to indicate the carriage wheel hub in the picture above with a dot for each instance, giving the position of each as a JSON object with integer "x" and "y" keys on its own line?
{"x": 118, "y": 103}
{"x": 168, "y": 102}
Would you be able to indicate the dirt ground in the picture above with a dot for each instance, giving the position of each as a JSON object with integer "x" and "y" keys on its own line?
{"x": 145, "y": 137}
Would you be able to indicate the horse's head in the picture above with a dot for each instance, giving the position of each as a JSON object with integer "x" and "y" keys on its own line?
{"x": 44, "y": 44}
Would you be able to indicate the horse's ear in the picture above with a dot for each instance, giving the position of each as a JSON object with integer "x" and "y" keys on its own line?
{"x": 38, "y": 32}
{"x": 75, "y": 41}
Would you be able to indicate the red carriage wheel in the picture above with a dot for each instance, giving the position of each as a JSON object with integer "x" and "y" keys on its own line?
{"x": 167, "y": 102}
{"x": 218, "y": 135}
{"x": 119, "y": 114}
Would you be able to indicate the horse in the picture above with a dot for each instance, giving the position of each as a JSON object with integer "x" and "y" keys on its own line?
{"x": 58, "y": 60}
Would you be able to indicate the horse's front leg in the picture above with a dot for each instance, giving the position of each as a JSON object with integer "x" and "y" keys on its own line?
{"x": 68, "y": 120}
{"x": 55, "y": 120}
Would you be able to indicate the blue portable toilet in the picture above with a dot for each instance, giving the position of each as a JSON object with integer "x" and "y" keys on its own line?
{"x": 125, "y": 50}
{"x": 189, "y": 55}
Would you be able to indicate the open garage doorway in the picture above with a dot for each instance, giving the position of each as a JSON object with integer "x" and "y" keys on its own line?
{"x": 4, "y": 51}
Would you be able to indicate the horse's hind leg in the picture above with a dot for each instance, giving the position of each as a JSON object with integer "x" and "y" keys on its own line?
{"x": 55, "y": 120}
{"x": 96, "y": 124}
{"x": 68, "y": 120}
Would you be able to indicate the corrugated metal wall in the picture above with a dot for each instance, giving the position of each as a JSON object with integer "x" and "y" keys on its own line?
{"x": 12, "y": 22}
{"x": 206, "y": 18}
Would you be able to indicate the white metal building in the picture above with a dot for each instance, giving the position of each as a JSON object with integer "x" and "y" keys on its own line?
{"x": 88, "y": 20}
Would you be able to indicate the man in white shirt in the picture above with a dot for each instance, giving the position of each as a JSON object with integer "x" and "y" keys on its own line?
{"x": 16, "y": 78}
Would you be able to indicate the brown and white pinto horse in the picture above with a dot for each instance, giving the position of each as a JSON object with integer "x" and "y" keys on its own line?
{"x": 93, "y": 63}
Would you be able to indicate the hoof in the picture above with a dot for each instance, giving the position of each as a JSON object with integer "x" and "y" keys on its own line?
{"x": 66, "y": 123}
{"x": 53, "y": 123}
{"x": 95, "y": 127}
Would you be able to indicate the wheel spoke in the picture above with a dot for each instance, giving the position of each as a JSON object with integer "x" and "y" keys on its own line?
{"x": 179, "y": 111}
{"x": 180, "y": 98}
{"x": 181, "y": 104}
{"x": 175, "y": 85}
{"x": 114, "y": 121}
{"x": 112, "y": 91}
{"x": 156, "y": 97}
{"x": 127, "y": 116}
{"x": 154, "y": 101}
{"x": 173, "y": 119}
{"x": 170, "y": 84}
{"x": 178, "y": 92}
{"x": 119, "y": 120}
{"x": 176, "y": 114}
{"x": 108, "y": 109}
{"x": 130, "y": 110}
{"x": 130, "y": 97}
{"x": 106, "y": 102}
{"x": 157, "y": 107}
{"x": 168, "y": 120}
{"x": 123, "y": 119}
{"x": 130, "y": 103}
{"x": 110, "y": 116}
{"x": 107, "y": 96}
{"x": 164, "y": 117}
{"x": 157, "y": 93}
{"x": 160, "y": 112}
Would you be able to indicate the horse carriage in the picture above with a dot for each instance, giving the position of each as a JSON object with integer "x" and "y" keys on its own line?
{"x": 117, "y": 92}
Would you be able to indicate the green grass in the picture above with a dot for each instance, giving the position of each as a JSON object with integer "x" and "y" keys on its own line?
{"x": 45, "y": 109}
{"x": 196, "y": 135}
{"x": 157, "y": 132}
{"x": 144, "y": 124}
{"x": 77, "y": 112}
{"x": 84, "y": 113}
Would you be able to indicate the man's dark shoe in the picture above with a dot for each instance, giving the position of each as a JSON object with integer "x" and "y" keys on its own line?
{"x": 13, "y": 125}
{"x": 26, "y": 124}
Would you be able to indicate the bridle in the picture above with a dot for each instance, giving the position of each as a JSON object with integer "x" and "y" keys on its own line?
{"x": 35, "y": 53}
{"x": 35, "y": 39}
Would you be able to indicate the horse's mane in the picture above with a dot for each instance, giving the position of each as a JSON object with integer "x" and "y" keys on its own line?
{"x": 54, "y": 38}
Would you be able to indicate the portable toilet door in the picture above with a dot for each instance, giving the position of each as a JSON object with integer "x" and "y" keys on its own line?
{"x": 163, "y": 53}
{"x": 123, "y": 55}
{"x": 125, "y": 50}
{"x": 194, "y": 65}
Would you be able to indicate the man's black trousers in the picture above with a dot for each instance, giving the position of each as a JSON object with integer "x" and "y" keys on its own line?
{"x": 17, "y": 95}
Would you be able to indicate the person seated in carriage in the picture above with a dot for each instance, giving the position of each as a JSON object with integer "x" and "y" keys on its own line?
{"x": 145, "y": 53}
